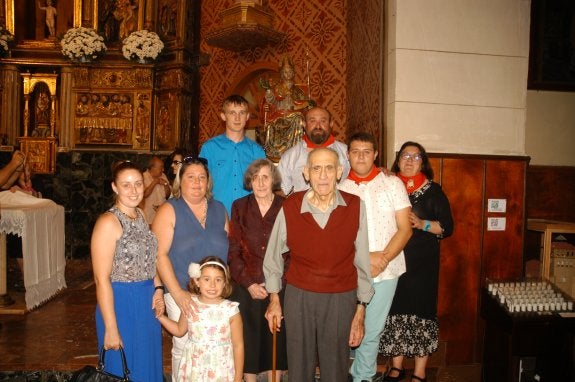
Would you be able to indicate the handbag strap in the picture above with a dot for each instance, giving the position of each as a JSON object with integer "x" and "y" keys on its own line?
{"x": 124, "y": 362}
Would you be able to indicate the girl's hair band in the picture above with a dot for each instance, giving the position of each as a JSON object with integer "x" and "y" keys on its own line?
{"x": 195, "y": 269}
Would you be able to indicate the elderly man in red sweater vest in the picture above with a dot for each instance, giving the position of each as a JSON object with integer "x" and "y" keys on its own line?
{"x": 328, "y": 281}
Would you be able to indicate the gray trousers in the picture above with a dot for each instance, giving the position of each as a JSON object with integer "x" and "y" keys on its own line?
{"x": 317, "y": 328}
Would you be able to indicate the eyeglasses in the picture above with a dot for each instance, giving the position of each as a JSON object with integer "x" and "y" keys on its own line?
{"x": 196, "y": 160}
{"x": 177, "y": 162}
{"x": 408, "y": 156}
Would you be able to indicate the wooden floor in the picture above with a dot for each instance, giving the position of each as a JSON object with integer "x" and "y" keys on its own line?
{"x": 60, "y": 334}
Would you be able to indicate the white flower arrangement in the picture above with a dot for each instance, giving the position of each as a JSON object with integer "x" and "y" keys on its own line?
{"x": 142, "y": 45}
{"x": 81, "y": 43}
{"x": 5, "y": 38}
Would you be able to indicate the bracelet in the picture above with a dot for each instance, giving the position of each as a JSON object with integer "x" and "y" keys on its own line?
{"x": 160, "y": 287}
{"x": 426, "y": 225}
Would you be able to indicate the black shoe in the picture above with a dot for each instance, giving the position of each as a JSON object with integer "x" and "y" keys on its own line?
{"x": 399, "y": 377}
{"x": 413, "y": 376}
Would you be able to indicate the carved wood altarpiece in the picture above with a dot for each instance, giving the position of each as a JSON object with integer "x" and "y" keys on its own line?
{"x": 108, "y": 104}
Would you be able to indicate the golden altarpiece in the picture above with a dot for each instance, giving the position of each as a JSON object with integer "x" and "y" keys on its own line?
{"x": 50, "y": 104}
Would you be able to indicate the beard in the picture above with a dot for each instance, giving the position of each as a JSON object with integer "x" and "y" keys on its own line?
{"x": 318, "y": 136}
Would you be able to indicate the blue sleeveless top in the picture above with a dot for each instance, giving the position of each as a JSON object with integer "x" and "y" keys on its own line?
{"x": 191, "y": 242}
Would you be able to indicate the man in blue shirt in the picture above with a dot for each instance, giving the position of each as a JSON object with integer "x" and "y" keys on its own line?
{"x": 230, "y": 154}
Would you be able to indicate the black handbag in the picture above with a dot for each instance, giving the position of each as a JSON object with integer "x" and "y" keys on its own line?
{"x": 90, "y": 373}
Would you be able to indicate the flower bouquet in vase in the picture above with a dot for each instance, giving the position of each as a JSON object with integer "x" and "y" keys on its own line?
{"x": 142, "y": 46}
{"x": 5, "y": 39}
{"x": 82, "y": 44}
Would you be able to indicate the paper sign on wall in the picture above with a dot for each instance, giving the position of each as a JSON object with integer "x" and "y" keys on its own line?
{"x": 496, "y": 205}
{"x": 496, "y": 224}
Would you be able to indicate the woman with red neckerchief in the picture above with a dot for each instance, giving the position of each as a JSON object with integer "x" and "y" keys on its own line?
{"x": 411, "y": 329}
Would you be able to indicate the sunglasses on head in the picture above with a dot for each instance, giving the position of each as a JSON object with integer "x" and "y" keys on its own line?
{"x": 195, "y": 160}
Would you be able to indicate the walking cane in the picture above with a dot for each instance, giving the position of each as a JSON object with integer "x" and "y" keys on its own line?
{"x": 274, "y": 351}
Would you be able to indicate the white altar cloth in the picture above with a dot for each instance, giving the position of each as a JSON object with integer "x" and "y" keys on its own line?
{"x": 40, "y": 223}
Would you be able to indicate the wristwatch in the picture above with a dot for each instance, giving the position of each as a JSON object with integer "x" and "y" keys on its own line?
{"x": 362, "y": 303}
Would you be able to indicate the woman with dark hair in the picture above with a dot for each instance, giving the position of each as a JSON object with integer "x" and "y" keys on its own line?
{"x": 411, "y": 329}
{"x": 127, "y": 287}
{"x": 173, "y": 163}
{"x": 189, "y": 226}
{"x": 253, "y": 217}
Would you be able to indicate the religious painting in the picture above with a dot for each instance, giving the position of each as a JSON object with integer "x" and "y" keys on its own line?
{"x": 552, "y": 50}
{"x": 118, "y": 18}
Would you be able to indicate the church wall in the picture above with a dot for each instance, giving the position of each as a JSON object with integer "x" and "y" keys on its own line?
{"x": 550, "y": 128}
{"x": 457, "y": 75}
{"x": 317, "y": 26}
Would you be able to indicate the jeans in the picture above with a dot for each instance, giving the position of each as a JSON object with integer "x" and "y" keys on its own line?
{"x": 364, "y": 365}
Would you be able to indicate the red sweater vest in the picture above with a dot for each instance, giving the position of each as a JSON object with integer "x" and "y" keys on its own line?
{"x": 322, "y": 260}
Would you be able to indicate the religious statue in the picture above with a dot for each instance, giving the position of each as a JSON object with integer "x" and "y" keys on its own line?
{"x": 42, "y": 126}
{"x": 281, "y": 112}
{"x": 51, "y": 14}
{"x": 125, "y": 14}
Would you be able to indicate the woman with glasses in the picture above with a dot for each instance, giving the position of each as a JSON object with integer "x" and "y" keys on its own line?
{"x": 411, "y": 329}
{"x": 253, "y": 217}
{"x": 189, "y": 227}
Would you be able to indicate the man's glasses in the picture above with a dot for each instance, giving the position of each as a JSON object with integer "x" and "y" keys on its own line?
{"x": 196, "y": 160}
{"x": 408, "y": 156}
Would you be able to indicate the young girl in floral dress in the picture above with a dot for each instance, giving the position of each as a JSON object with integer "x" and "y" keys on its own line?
{"x": 215, "y": 347}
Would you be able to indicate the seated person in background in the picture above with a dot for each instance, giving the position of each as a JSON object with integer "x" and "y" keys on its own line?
{"x": 25, "y": 182}
{"x": 157, "y": 188}
{"x": 10, "y": 173}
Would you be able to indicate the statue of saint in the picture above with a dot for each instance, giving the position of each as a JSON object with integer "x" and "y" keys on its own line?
{"x": 125, "y": 13}
{"x": 281, "y": 112}
{"x": 51, "y": 14}
{"x": 42, "y": 126}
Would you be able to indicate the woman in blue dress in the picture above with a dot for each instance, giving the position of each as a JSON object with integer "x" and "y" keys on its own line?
{"x": 128, "y": 291}
{"x": 189, "y": 227}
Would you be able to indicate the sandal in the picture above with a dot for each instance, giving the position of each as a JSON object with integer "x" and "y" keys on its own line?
{"x": 398, "y": 378}
{"x": 413, "y": 376}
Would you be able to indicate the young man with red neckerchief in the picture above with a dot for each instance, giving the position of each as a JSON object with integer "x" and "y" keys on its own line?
{"x": 387, "y": 209}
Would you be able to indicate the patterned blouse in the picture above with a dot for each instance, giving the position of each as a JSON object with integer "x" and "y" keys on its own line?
{"x": 135, "y": 257}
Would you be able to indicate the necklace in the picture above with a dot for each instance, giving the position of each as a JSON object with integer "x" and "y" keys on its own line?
{"x": 132, "y": 218}
{"x": 204, "y": 215}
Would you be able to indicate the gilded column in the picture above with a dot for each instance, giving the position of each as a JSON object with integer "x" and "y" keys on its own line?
{"x": 66, "y": 110}
{"x": 149, "y": 17}
{"x": 10, "y": 116}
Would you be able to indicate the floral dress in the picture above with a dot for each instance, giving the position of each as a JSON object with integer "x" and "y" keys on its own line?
{"x": 208, "y": 355}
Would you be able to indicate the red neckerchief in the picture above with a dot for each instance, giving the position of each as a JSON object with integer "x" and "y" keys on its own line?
{"x": 312, "y": 145}
{"x": 412, "y": 183}
{"x": 357, "y": 179}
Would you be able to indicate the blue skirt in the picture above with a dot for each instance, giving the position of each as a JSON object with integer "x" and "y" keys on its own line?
{"x": 139, "y": 329}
